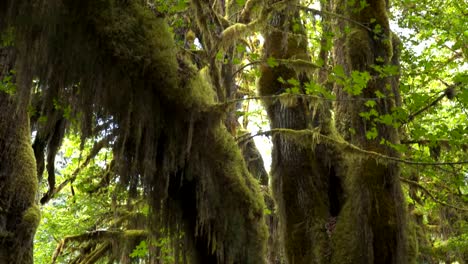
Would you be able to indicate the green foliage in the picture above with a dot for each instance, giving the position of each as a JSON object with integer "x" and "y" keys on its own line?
{"x": 140, "y": 251}
{"x": 272, "y": 62}
{"x": 7, "y": 37}
{"x": 353, "y": 84}
{"x": 7, "y": 85}
{"x": 314, "y": 88}
{"x": 73, "y": 211}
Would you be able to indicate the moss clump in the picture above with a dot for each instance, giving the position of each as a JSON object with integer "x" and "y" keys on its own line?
{"x": 141, "y": 43}
{"x": 31, "y": 217}
{"x": 198, "y": 92}
{"x": 358, "y": 45}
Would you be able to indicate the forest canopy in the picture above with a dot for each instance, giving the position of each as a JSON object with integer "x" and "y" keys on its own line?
{"x": 233, "y": 131}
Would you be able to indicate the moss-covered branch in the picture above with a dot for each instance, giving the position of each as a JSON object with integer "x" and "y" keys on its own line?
{"x": 344, "y": 145}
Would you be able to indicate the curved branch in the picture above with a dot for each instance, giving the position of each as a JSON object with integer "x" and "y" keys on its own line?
{"x": 346, "y": 145}
{"x": 428, "y": 193}
{"x": 246, "y": 65}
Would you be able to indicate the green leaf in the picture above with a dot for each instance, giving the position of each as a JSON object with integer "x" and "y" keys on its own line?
{"x": 240, "y": 48}
{"x": 236, "y": 61}
{"x": 386, "y": 119}
{"x": 272, "y": 62}
{"x": 140, "y": 251}
{"x": 339, "y": 71}
{"x": 372, "y": 134}
{"x": 294, "y": 82}
{"x": 358, "y": 82}
{"x": 220, "y": 56}
{"x": 370, "y": 103}
{"x": 379, "y": 94}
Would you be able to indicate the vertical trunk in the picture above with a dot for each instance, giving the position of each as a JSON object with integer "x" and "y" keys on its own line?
{"x": 19, "y": 215}
{"x": 299, "y": 172}
{"x": 372, "y": 226}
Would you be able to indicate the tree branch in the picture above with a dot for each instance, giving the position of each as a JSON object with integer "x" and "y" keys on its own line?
{"x": 418, "y": 112}
{"x": 428, "y": 193}
{"x": 94, "y": 151}
{"x": 95, "y": 236}
{"x": 322, "y": 12}
{"x": 345, "y": 145}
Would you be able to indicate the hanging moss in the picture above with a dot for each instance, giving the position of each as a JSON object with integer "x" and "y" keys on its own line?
{"x": 116, "y": 60}
{"x": 229, "y": 207}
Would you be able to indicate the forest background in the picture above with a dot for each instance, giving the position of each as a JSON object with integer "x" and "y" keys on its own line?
{"x": 129, "y": 131}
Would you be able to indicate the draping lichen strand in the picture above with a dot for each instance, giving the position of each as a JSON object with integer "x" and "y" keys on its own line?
{"x": 115, "y": 60}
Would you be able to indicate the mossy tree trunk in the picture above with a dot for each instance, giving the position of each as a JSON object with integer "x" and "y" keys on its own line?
{"x": 19, "y": 215}
{"x": 337, "y": 206}
{"x": 299, "y": 172}
{"x": 372, "y": 225}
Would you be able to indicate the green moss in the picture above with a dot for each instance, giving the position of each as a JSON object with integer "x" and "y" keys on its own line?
{"x": 372, "y": 224}
{"x": 131, "y": 234}
{"x": 413, "y": 245}
{"x": 26, "y": 181}
{"x": 198, "y": 93}
{"x": 358, "y": 46}
{"x": 31, "y": 217}
{"x": 230, "y": 205}
{"x": 232, "y": 33}
{"x": 18, "y": 182}
{"x": 140, "y": 41}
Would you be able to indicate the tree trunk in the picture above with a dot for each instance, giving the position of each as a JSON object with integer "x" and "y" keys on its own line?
{"x": 371, "y": 227}
{"x": 19, "y": 215}
{"x": 336, "y": 207}
{"x": 299, "y": 172}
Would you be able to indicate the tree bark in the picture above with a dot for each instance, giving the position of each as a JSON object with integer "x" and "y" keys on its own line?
{"x": 372, "y": 225}
{"x": 19, "y": 215}
{"x": 299, "y": 172}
